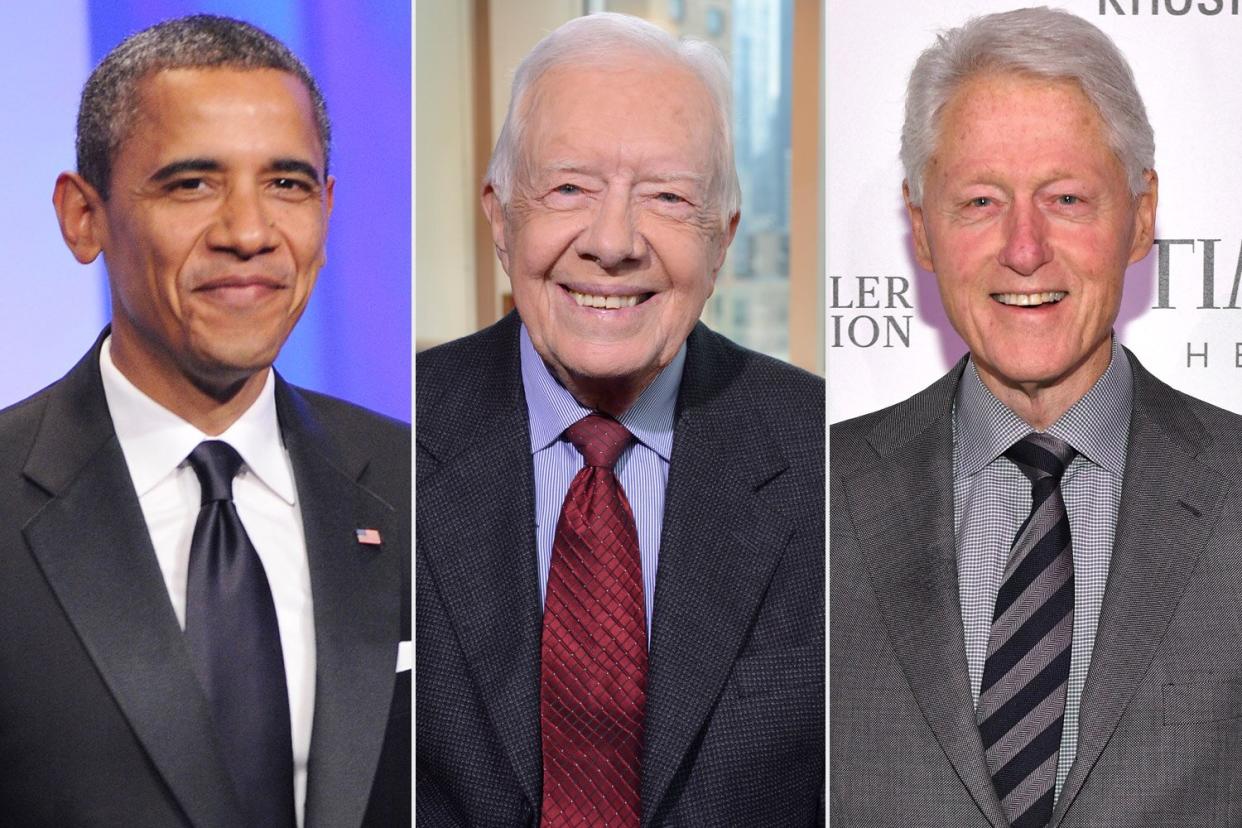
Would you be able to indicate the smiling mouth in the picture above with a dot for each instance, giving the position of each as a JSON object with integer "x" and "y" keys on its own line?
{"x": 1030, "y": 300}
{"x": 588, "y": 300}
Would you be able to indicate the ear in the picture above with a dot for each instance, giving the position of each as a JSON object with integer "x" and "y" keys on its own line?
{"x": 80, "y": 211}
{"x": 1145, "y": 218}
{"x": 922, "y": 250}
{"x": 329, "y": 190}
{"x": 495, "y": 212}
{"x": 725, "y": 240}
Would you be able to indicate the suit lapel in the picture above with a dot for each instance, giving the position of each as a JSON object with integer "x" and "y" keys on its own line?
{"x": 717, "y": 555}
{"x": 1169, "y": 505}
{"x": 356, "y": 590}
{"x": 481, "y": 550}
{"x": 910, "y": 555}
{"x": 92, "y": 544}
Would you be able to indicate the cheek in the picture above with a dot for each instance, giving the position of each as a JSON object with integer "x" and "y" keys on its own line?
{"x": 537, "y": 246}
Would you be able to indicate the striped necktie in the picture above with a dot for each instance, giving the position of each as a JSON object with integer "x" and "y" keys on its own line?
{"x": 1022, "y": 698}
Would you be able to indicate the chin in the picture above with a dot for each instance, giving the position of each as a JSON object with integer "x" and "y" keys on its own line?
{"x": 234, "y": 364}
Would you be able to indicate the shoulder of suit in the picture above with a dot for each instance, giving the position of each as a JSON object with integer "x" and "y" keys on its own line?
{"x": 486, "y": 360}
{"x": 852, "y": 440}
{"x": 732, "y": 373}
{"x": 1214, "y": 433}
{"x": 348, "y": 421}
{"x": 20, "y": 421}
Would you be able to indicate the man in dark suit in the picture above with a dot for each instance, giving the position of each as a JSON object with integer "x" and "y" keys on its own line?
{"x": 1034, "y": 596}
{"x": 612, "y": 199}
{"x": 204, "y": 571}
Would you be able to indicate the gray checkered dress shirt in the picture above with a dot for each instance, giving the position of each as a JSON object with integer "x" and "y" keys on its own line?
{"x": 991, "y": 498}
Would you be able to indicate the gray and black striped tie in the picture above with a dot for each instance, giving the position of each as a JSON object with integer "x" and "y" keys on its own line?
{"x": 1022, "y": 698}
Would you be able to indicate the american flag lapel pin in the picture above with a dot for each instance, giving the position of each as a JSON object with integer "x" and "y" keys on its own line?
{"x": 371, "y": 537}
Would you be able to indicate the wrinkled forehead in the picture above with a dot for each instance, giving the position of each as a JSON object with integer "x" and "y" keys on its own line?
{"x": 986, "y": 92}
{"x": 639, "y": 105}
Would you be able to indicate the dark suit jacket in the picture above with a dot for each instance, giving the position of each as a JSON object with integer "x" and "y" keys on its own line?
{"x": 734, "y": 722}
{"x": 102, "y": 722}
{"x": 1160, "y": 740}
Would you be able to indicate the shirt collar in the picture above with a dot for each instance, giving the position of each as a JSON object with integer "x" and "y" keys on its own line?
{"x": 1097, "y": 426}
{"x": 156, "y": 441}
{"x": 552, "y": 409}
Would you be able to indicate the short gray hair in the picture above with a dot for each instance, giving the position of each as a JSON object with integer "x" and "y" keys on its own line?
{"x": 601, "y": 39}
{"x": 110, "y": 97}
{"x": 1039, "y": 42}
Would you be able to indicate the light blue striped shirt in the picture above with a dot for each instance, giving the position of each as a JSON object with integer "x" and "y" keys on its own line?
{"x": 642, "y": 468}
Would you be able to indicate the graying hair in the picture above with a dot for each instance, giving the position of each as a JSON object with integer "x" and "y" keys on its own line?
{"x": 1039, "y": 42}
{"x": 110, "y": 98}
{"x": 605, "y": 39}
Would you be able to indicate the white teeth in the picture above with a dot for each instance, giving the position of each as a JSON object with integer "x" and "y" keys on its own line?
{"x": 1029, "y": 299}
{"x": 587, "y": 300}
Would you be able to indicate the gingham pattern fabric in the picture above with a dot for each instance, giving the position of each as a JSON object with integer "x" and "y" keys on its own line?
{"x": 1022, "y": 701}
{"x": 991, "y": 499}
{"x": 594, "y": 652}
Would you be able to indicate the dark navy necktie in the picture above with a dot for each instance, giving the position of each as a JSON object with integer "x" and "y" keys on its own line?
{"x": 1022, "y": 698}
{"x": 234, "y": 642}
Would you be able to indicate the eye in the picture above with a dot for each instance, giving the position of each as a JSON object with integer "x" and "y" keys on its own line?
{"x": 979, "y": 201}
{"x": 670, "y": 198}
{"x": 291, "y": 186}
{"x": 187, "y": 185}
{"x": 568, "y": 190}
{"x": 1068, "y": 200}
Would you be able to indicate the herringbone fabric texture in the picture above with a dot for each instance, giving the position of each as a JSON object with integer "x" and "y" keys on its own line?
{"x": 594, "y": 652}
{"x": 1022, "y": 698}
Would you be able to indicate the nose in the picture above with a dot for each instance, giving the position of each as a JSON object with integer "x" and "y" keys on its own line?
{"x": 1026, "y": 247}
{"x": 244, "y": 226}
{"x": 611, "y": 239}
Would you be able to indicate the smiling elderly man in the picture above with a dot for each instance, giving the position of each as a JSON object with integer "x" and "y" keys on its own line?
{"x": 204, "y": 572}
{"x": 620, "y": 513}
{"x": 1035, "y": 561}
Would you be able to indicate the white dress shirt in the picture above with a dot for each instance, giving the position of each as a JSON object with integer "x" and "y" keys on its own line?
{"x": 155, "y": 443}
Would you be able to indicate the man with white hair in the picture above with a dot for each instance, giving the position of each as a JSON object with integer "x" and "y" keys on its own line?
{"x": 620, "y": 513}
{"x": 1035, "y": 560}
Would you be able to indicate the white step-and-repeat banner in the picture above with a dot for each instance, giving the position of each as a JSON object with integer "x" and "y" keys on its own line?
{"x": 887, "y": 334}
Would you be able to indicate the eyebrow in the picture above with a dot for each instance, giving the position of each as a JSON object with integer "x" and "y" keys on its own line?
{"x": 294, "y": 165}
{"x": 188, "y": 165}
{"x": 659, "y": 177}
{"x": 282, "y": 165}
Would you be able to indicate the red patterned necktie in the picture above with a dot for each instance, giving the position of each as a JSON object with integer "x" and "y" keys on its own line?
{"x": 594, "y": 656}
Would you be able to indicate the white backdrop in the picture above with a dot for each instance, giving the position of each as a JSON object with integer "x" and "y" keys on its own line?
{"x": 1185, "y": 59}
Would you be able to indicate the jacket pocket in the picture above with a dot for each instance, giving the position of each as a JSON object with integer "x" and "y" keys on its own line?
{"x": 1209, "y": 700}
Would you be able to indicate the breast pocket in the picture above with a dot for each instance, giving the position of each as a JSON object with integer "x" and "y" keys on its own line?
{"x": 778, "y": 672}
{"x": 1207, "y": 700}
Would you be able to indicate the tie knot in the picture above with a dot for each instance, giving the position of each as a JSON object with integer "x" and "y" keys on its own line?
{"x": 599, "y": 439}
{"x": 1041, "y": 456}
{"x": 216, "y": 464}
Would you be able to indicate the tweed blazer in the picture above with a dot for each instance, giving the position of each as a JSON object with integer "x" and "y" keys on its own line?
{"x": 1160, "y": 733}
{"x": 734, "y": 719}
{"x": 102, "y": 721}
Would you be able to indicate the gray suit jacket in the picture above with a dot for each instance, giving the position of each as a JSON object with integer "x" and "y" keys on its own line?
{"x": 1160, "y": 739}
{"x": 734, "y": 723}
{"x": 102, "y": 721}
